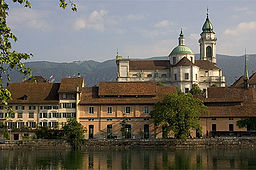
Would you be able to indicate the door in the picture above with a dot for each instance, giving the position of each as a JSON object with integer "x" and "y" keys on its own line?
{"x": 16, "y": 136}
{"x": 231, "y": 127}
{"x": 109, "y": 132}
{"x": 128, "y": 130}
{"x": 91, "y": 131}
{"x": 146, "y": 131}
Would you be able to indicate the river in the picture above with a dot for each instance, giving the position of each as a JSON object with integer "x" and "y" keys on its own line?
{"x": 129, "y": 159}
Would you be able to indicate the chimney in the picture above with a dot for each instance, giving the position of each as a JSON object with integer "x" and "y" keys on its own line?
{"x": 78, "y": 75}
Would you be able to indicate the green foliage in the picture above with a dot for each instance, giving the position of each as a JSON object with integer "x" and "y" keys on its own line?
{"x": 179, "y": 113}
{"x": 159, "y": 84}
{"x": 10, "y": 59}
{"x": 46, "y": 133}
{"x": 195, "y": 90}
{"x": 4, "y": 132}
{"x": 249, "y": 123}
{"x": 214, "y": 85}
{"x": 74, "y": 133}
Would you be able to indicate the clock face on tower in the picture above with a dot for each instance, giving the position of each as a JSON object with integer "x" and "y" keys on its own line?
{"x": 207, "y": 36}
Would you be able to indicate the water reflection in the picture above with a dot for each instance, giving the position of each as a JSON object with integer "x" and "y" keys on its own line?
{"x": 132, "y": 159}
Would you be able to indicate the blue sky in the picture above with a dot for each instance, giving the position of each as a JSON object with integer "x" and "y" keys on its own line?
{"x": 137, "y": 28}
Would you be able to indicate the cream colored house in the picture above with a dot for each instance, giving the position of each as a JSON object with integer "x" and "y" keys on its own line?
{"x": 181, "y": 69}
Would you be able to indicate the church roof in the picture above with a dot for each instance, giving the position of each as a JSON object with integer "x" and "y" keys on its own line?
{"x": 252, "y": 79}
{"x": 240, "y": 82}
{"x": 181, "y": 49}
{"x": 38, "y": 79}
{"x": 206, "y": 65}
{"x": 185, "y": 62}
{"x": 207, "y": 27}
{"x": 149, "y": 64}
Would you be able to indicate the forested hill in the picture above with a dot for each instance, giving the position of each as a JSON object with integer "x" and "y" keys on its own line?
{"x": 94, "y": 72}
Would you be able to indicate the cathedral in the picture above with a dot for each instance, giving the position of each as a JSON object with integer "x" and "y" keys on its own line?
{"x": 181, "y": 69}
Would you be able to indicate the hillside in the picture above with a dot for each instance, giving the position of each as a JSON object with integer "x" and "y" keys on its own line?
{"x": 94, "y": 72}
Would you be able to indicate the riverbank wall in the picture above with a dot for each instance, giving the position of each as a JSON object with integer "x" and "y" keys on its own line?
{"x": 133, "y": 144}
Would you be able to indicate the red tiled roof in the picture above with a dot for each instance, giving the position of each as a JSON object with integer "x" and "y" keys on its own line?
{"x": 90, "y": 95}
{"x": 149, "y": 64}
{"x": 252, "y": 79}
{"x": 239, "y": 82}
{"x": 127, "y": 88}
{"x": 71, "y": 84}
{"x": 185, "y": 62}
{"x": 34, "y": 92}
{"x": 206, "y": 65}
{"x": 38, "y": 79}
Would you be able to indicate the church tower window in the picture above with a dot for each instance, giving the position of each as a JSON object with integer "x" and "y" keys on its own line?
{"x": 174, "y": 60}
{"x": 209, "y": 52}
{"x": 186, "y": 76}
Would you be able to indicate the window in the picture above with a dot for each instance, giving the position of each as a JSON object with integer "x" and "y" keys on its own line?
{"x": 134, "y": 75}
{"x": 31, "y": 114}
{"x": 231, "y": 127}
{"x": 231, "y": 118}
{"x": 156, "y": 74}
{"x": 54, "y": 124}
{"x": 109, "y": 119}
{"x": 209, "y": 52}
{"x": 174, "y": 60}
{"x": 44, "y": 115}
{"x": 109, "y": 110}
{"x": 47, "y": 107}
{"x": 90, "y": 120}
{"x": 91, "y": 110}
{"x": 50, "y": 115}
{"x": 55, "y": 107}
{"x": 20, "y": 107}
{"x": 196, "y": 76}
{"x": 214, "y": 127}
{"x": 41, "y": 115}
{"x": 32, "y": 124}
{"x": 163, "y": 75}
{"x": 64, "y": 95}
{"x": 149, "y": 75}
{"x": 68, "y": 105}
{"x": 214, "y": 118}
{"x": 175, "y": 76}
{"x": 56, "y": 115}
{"x": 44, "y": 124}
{"x": 146, "y": 109}
{"x": 1, "y": 115}
{"x": 20, "y": 115}
{"x": 20, "y": 124}
{"x": 73, "y": 114}
{"x": 1, "y": 107}
{"x": 31, "y": 107}
{"x": 191, "y": 59}
{"x": 186, "y": 90}
{"x": 12, "y": 115}
{"x": 127, "y": 110}
{"x": 186, "y": 76}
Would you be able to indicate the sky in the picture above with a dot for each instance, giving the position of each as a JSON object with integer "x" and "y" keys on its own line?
{"x": 134, "y": 28}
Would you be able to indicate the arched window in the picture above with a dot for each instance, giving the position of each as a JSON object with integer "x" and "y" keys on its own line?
{"x": 209, "y": 52}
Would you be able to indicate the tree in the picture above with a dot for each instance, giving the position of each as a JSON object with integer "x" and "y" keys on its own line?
{"x": 249, "y": 123}
{"x": 74, "y": 133}
{"x": 195, "y": 90}
{"x": 10, "y": 59}
{"x": 180, "y": 113}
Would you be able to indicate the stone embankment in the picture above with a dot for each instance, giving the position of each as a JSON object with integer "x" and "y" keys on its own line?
{"x": 119, "y": 144}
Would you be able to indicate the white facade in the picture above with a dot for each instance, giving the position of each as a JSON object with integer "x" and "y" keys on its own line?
{"x": 181, "y": 70}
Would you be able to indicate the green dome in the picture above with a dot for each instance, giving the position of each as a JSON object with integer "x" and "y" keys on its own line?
{"x": 181, "y": 49}
{"x": 207, "y": 27}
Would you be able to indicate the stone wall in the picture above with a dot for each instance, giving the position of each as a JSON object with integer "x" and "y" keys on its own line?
{"x": 131, "y": 144}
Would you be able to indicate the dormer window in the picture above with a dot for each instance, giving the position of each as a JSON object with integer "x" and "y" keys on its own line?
{"x": 174, "y": 60}
{"x": 64, "y": 95}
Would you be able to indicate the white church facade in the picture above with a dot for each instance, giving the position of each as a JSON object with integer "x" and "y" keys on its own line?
{"x": 181, "y": 69}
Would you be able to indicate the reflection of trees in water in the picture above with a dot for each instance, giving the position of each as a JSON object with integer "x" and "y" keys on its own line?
{"x": 25, "y": 159}
{"x": 132, "y": 159}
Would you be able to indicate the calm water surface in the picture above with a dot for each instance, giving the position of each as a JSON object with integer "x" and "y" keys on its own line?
{"x": 132, "y": 159}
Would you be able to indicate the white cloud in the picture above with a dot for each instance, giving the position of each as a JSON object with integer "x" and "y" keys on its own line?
{"x": 30, "y": 18}
{"x": 135, "y": 17}
{"x": 163, "y": 23}
{"x": 95, "y": 21}
{"x": 242, "y": 28}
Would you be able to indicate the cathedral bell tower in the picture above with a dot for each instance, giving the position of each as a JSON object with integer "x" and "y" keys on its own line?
{"x": 208, "y": 42}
